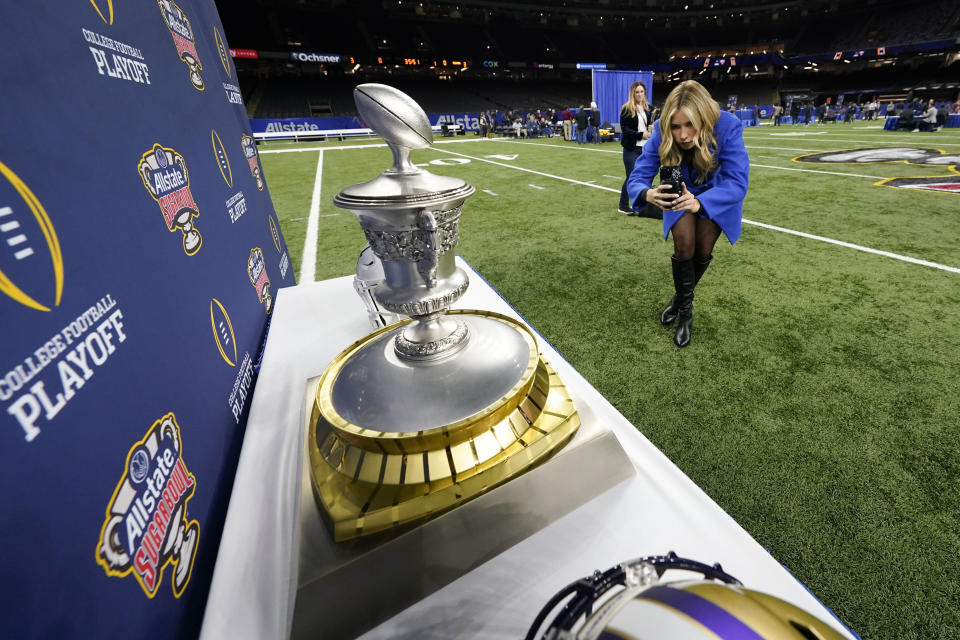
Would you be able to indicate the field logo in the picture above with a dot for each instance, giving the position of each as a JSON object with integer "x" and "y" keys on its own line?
{"x": 146, "y": 526}
{"x": 23, "y": 222}
{"x": 222, "y": 52}
{"x": 908, "y": 155}
{"x": 257, "y": 272}
{"x": 220, "y": 153}
{"x": 108, "y": 19}
{"x": 274, "y": 233}
{"x": 182, "y": 33}
{"x": 164, "y": 174}
{"x": 250, "y": 151}
{"x": 223, "y": 332}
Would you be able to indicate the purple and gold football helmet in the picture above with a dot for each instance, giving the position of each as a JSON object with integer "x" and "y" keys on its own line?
{"x": 631, "y": 602}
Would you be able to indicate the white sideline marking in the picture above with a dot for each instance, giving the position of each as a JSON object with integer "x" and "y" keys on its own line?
{"x": 308, "y": 260}
{"x": 763, "y": 225}
{"x": 490, "y": 192}
{"x": 536, "y": 187}
{"x": 360, "y": 146}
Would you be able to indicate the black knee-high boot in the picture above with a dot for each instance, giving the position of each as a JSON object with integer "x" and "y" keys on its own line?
{"x": 669, "y": 314}
{"x": 684, "y": 281}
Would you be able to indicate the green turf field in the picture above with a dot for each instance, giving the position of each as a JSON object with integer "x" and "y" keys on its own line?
{"x": 818, "y": 403}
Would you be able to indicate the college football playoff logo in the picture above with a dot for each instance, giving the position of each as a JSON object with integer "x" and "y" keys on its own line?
{"x": 908, "y": 155}
{"x": 31, "y": 263}
{"x": 220, "y": 154}
{"x": 176, "y": 20}
{"x": 223, "y": 332}
{"x": 164, "y": 174}
{"x": 146, "y": 526}
{"x": 250, "y": 151}
{"x": 108, "y": 17}
{"x": 257, "y": 272}
{"x": 222, "y": 52}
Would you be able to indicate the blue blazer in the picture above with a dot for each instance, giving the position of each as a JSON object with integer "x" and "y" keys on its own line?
{"x": 721, "y": 195}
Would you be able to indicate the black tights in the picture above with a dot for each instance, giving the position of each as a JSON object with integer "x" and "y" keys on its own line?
{"x": 694, "y": 237}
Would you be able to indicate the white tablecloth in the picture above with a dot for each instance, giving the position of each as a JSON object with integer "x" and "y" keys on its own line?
{"x": 658, "y": 510}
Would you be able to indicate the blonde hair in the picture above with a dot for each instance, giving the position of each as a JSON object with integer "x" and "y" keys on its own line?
{"x": 630, "y": 106}
{"x": 703, "y": 112}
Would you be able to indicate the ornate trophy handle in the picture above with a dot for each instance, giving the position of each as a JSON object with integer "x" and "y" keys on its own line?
{"x": 427, "y": 268}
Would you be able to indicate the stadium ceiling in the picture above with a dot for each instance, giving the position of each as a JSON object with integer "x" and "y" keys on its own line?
{"x": 618, "y": 8}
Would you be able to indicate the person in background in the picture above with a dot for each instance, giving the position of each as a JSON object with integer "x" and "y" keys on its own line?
{"x": 707, "y": 144}
{"x": 930, "y": 116}
{"x": 593, "y": 123}
{"x": 566, "y": 117}
{"x": 636, "y": 125}
{"x": 582, "y": 119}
{"x": 482, "y": 125}
{"x": 777, "y": 114}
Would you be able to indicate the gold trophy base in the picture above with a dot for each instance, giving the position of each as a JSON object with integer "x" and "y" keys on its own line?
{"x": 369, "y": 482}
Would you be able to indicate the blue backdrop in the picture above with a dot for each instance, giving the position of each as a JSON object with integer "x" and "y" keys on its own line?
{"x": 140, "y": 259}
{"x": 610, "y": 89}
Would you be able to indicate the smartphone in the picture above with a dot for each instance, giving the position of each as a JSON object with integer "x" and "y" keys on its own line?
{"x": 671, "y": 175}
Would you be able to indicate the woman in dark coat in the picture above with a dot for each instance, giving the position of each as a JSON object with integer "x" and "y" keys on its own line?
{"x": 635, "y": 127}
{"x": 707, "y": 144}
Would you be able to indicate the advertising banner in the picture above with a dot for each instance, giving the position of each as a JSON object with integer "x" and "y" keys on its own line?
{"x": 468, "y": 121}
{"x": 139, "y": 262}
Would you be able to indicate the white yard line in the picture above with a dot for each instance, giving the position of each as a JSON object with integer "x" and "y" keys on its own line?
{"x": 536, "y": 187}
{"x": 903, "y": 142}
{"x": 361, "y": 146}
{"x": 757, "y": 146}
{"x": 762, "y": 225}
{"x": 308, "y": 260}
{"x": 538, "y": 173}
{"x": 831, "y": 173}
{"x": 490, "y": 192}
{"x": 886, "y": 254}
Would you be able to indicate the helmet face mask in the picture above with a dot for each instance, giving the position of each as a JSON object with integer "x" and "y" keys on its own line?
{"x": 632, "y": 602}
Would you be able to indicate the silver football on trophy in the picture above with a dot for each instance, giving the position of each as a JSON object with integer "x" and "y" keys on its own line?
{"x": 393, "y": 115}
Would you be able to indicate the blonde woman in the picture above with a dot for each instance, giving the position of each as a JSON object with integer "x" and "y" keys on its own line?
{"x": 635, "y": 127}
{"x": 707, "y": 145}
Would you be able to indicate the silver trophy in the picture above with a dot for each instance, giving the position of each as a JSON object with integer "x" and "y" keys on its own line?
{"x": 426, "y": 413}
{"x": 411, "y": 219}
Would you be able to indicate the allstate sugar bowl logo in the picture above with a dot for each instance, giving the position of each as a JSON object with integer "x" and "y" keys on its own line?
{"x": 182, "y": 33}
{"x": 146, "y": 526}
{"x": 165, "y": 176}
{"x": 31, "y": 265}
{"x": 257, "y": 272}
{"x": 250, "y": 151}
